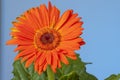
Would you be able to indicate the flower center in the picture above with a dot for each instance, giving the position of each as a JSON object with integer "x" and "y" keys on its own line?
{"x": 46, "y": 39}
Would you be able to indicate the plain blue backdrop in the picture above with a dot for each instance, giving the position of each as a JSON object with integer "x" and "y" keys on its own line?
{"x": 102, "y": 33}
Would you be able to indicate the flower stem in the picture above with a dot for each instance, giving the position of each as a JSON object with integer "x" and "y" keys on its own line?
{"x": 50, "y": 73}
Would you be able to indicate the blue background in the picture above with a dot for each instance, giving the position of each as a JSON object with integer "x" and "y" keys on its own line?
{"x": 102, "y": 33}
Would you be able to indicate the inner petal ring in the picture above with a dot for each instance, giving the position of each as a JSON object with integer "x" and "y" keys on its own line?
{"x": 46, "y": 39}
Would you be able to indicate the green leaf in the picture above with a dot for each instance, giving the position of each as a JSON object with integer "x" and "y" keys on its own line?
{"x": 87, "y": 76}
{"x": 113, "y": 77}
{"x": 18, "y": 69}
{"x": 76, "y": 66}
{"x": 71, "y": 76}
{"x": 22, "y": 73}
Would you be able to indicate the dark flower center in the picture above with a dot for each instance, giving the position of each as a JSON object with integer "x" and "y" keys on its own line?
{"x": 47, "y": 38}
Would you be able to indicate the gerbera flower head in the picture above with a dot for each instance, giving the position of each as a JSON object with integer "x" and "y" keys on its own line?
{"x": 44, "y": 38}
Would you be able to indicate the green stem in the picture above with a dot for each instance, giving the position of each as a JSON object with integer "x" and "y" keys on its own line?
{"x": 50, "y": 73}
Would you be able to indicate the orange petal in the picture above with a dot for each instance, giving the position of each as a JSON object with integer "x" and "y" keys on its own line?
{"x": 22, "y": 35}
{"x": 70, "y": 44}
{"x": 23, "y": 27}
{"x": 74, "y": 27}
{"x": 18, "y": 42}
{"x": 12, "y": 42}
{"x": 49, "y": 6}
{"x": 35, "y": 16}
{"x": 73, "y": 34}
{"x": 23, "y": 24}
{"x": 45, "y": 66}
{"x": 38, "y": 17}
{"x": 63, "y": 19}
{"x": 72, "y": 57}
{"x": 63, "y": 58}
{"x": 21, "y": 19}
{"x": 82, "y": 43}
{"x": 42, "y": 59}
{"x": 53, "y": 68}
{"x": 54, "y": 16}
{"x": 54, "y": 60}
{"x": 24, "y": 58}
{"x": 55, "y": 55}
{"x": 59, "y": 64}
{"x": 36, "y": 65}
{"x": 29, "y": 50}
{"x": 73, "y": 16}
{"x": 14, "y": 29}
{"x": 71, "y": 54}
{"x": 30, "y": 20}
{"x": 69, "y": 24}
{"x": 38, "y": 58}
{"x": 48, "y": 58}
{"x": 29, "y": 61}
{"x": 20, "y": 48}
{"x": 42, "y": 67}
{"x": 64, "y": 47}
{"x": 44, "y": 15}
{"x": 40, "y": 70}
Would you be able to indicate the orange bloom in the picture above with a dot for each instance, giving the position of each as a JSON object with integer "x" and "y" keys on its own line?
{"x": 44, "y": 38}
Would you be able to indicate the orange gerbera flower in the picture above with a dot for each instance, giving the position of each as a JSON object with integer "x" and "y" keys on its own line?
{"x": 44, "y": 38}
